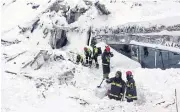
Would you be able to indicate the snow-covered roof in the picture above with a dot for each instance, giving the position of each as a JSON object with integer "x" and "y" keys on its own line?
{"x": 156, "y": 46}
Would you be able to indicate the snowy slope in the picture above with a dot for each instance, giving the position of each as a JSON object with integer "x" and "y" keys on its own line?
{"x": 160, "y": 12}
{"x": 154, "y": 86}
{"x": 61, "y": 86}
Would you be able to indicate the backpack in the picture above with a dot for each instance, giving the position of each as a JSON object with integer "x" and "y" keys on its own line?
{"x": 99, "y": 51}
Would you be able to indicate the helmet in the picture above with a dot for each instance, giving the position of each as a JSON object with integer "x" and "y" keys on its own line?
{"x": 128, "y": 73}
{"x": 119, "y": 73}
{"x": 108, "y": 49}
{"x": 85, "y": 48}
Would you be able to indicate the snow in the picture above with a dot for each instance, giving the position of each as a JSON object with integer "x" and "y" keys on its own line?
{"x": 21, "y": 94}
{"x": 165, "y": 32}
{"x": 20, "y": 12}
{"x": 156, "y": 46}
{"x": 125, "y": 13}
{"x": 120, "y": 60}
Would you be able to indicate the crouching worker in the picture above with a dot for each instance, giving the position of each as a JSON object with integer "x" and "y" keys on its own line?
{"x": 117, "y": 87}
{"x": 131, "y": 87}
{"x": 88, "y": 54}
{"x": 79, "y": 59}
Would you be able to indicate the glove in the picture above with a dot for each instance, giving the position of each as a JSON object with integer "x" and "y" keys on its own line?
{"x": 111, "y": 54}
{"x": 108, "y": 81}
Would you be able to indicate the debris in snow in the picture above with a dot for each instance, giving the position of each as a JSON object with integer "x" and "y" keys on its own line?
{"x": 27, "y": 64}
{"x": 56, "y": 6}
{"x": 49, "y": 1}
{"x": 23, "y": 30}
{"x": 44, "y": 82}
{"x": 34, "y": 26}
{"x": 170, "y": 104}
{"x": 43, "y": 95}
{"x": 45, "y": 32}
{"x": 8, "y": 43}
{"x": 35, "y": 6}
{"x": 11, "y": 72}
{"x": 75, "y": 13}
{"x": 29, "y": 77}
{"x": 67, "y": 76}
{"x": 113, "y": 1}
{"x": 102, "y": 9}
{"x": 74, "y": 84}
{"x": 38, "y": 61}
{"x": 58, "y": 38}
{"x": 58, "y": 57}
{"x": 16, "y": 56}
{"x": 87, "y": 2}
{"x": 176, "y": 100}
{"x": 160, "y": 103}
{"x": 82, "y": 102}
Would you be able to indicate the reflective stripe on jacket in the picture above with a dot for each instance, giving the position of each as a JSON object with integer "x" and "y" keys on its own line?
{"x": 131, "y": 89}
{"x": 88, "y": 52}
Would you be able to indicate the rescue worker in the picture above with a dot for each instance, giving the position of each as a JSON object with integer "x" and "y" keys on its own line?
{"x": 117, "y": 86}
{"x": 79, "y": 59}
{"x": 131, "y": 93}
{"x": 95, "y": 55}
{"x": 88, "y": 54}
{"x": 106, "y": 62}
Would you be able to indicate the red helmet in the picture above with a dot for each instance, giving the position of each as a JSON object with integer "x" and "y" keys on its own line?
{"x": 85, "y": 48}
{"x": 128, "y": 73}
{"x": 108, "y": 48}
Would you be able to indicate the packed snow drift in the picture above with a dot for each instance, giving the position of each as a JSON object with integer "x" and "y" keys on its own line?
{"x": 40, "y": 42}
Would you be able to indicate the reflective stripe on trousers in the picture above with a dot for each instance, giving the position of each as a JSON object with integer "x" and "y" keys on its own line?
{"x": 130, "y": 96}
{"x": 105, "y": 64}
{"x": 113, "y": 95}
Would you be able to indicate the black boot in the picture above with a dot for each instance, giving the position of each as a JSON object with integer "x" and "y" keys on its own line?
{"x": 90, "y": 63}
{"x": 97, "y": 66}
{"x": 129, "y": 100}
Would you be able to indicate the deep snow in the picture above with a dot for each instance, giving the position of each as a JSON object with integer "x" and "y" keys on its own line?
{"x": 20, "y": 94}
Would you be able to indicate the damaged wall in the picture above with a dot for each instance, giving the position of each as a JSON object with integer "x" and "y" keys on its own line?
{"x": 58, "y": 38}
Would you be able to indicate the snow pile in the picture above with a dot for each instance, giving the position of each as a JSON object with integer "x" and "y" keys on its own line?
{"x": 52, "y": 82}
{"x": 132, "y": 12}
{"x": 155, "y": 91}
{"x": 37, "y": 25}
{"x": 120, "y": 60}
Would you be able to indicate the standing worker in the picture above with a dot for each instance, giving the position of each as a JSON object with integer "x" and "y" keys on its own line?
{"x": 95, "y": 55}
{"x": 117, "y": 86}
{"x": 106, "y": 62}
{"x": 131, "y": 93}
